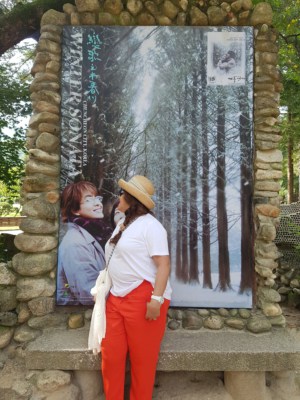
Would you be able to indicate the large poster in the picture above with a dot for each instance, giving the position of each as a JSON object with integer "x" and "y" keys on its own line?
{"x": 174, "y": 104}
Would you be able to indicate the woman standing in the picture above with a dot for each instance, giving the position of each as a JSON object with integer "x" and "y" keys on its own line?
{"x": 80, "y": 254}
{"x": 137, "y": 306}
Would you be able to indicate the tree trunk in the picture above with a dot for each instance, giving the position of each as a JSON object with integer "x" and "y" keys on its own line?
{"x": 222, "y": 222}
{"x": 178, "y": 251}
{"x": 207, "y": 283}
{"x": 193, "y": 227}
{"x": 245, "y": 193}
{"x": 184, "y": 162}
{"x": 290, "y": 168}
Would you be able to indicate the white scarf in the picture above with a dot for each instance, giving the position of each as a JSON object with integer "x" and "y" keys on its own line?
{"x": 98, "y": 322}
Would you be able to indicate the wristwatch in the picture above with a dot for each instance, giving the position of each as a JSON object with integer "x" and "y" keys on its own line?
{"x": 160, "y": 299}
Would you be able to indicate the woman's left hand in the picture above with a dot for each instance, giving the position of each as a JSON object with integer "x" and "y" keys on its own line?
{"x": 153, "y": 310}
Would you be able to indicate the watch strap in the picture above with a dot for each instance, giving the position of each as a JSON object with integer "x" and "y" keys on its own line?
{"x": 160, "y": 299}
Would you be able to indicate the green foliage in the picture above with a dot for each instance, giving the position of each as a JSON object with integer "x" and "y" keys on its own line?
{"x": 9, "y": 199}
{"x": 287, "y": 23}
{"x": 15, "y": 108}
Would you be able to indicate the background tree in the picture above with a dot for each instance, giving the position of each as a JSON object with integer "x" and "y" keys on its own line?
{"x": 15, "y": 108}
{"x": 287, "y": 23}
{"x": 20, "y": 20}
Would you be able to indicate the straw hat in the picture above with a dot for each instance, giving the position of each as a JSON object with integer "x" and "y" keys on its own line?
{"x": 141, "y": 188}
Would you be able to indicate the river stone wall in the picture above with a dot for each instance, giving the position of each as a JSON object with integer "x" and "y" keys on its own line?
{"x": 27, "y": 284}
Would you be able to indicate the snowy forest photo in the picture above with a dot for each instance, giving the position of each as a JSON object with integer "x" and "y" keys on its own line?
{"x": 174, "y": 104}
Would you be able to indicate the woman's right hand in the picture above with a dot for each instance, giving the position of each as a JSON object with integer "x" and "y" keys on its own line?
{"x": 153, "y": 310}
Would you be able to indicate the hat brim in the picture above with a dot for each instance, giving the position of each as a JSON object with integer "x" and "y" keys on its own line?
{"x": 137, "y": 194}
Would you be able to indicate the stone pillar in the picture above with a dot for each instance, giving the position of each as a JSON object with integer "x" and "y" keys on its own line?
{"x": 246, "y": 385}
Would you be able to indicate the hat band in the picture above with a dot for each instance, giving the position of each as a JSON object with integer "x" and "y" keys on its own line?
{"x": 139, "y": 187}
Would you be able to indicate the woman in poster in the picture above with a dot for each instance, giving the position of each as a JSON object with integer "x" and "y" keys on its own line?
{"x": 138, "y": 302}
{"x": 80, "y": 254}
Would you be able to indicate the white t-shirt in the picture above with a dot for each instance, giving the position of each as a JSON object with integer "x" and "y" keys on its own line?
{"x": 131, "y": 261}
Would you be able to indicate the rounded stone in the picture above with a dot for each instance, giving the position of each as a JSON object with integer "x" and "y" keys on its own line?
{"x": 197, "y": 17}
{"x": 30, "y": 288}
{"x": 134, "y": 6}
{"x": 223, "y": 312}
{"x": 25, "y": 334}
{"x": 247, "y": 4}
{"x": 235, "y": 323}
{"x": 216, "y": 16}
{"x": 39, "y": 208}
{"x": 262, "y": 14}
{"x": 47, "y": 142}
{"x": 7, "y": 277}
{"x": 244, "y": 313}
{"x": 42, "y": 106}
{"x": 55, "y": 37}
{"x": 203, "y": 312}
{"x": 125, "y": 19}
{"x": 35, "y": 225}
{"x": 6, "y": 335}
{"x": 173, "y": 325}
{"x": 163, "y": 20}
{"x": 23, "y": 313}
{"x": 40, "y": 183}
{"x": 183, "y": 4}
{"x": 267, "y": 232}
{"x": 283, "y": 290}
{"x": 75, "y": 18}
{"x": 69, "y": 8}
{"x": 8, "y": 318}
{"x": 42, "y": 306}
{"x": 88, "y": 314}
{"x": 76, "y": 321}
{"x": 268, "y": 210}
{"x": 178, "y": 314}
{"x": 34, "y": 264}
{"x": 106, "y": 19}
{"x": 271, "y": 309}
{"x": 236, "y": 6}
{"x": 87, "y": 18}
{"x": 269, "y": 295}
{"x": 113, "y": 6}
{"x": 52, "y": 17}
{"x": 48, "y": 321}
{"x": 278, "y": 321}
{"x": 191, "y": 321}
{"x": 50, "y": 381}
{"x": 258, "y": 325}
{"x": 40, "y": 155}
{"x": 8, "y": 298}
{"x": 214, "y": 322}
{"x": 35, "y": 243}
{"x": 295, "y": 283}
{"x": 169, "y": 9}
{"x": 43, "y": 117}
{"x": 233, "y": 312}
{"x": 146, "y": 19}
{"x": 36, "y": 166}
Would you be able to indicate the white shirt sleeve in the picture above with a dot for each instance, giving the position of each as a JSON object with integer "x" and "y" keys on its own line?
{"x": 156, "y": 239}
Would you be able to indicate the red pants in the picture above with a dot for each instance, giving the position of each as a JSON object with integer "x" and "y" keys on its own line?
{"x": 127, "y": 330}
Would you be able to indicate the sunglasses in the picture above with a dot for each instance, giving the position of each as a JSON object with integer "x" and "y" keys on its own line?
{"x": 121, "y": 191}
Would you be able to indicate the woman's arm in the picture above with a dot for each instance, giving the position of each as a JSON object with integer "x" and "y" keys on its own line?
{"x": 163, "y": 270}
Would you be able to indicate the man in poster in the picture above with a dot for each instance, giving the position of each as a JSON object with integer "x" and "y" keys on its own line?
{"x": 80, "y": 254}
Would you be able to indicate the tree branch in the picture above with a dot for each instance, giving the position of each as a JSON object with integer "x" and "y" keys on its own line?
{"x": 23, "y": 21}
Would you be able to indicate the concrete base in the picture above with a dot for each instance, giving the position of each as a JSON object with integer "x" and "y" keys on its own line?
{"x": 180, "y": 351}
{"x": 246, "y": 385}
